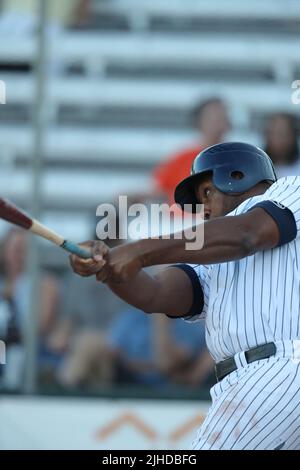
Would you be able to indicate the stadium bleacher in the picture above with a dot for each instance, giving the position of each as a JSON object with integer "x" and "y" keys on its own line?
{"x": 119, "y": 94}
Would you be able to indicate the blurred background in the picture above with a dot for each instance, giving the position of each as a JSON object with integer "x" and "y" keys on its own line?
{"x": 110, "y": 97}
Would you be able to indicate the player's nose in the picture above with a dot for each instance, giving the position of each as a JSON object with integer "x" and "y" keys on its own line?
{"x": 206, "y": 214}
{"x": 206, "y": 210}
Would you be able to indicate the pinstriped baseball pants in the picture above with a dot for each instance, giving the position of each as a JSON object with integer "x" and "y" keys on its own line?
{"x": 257, "y": 407}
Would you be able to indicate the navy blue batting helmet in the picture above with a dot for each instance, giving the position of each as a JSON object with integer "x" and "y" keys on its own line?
{"x": 235, "y": 167}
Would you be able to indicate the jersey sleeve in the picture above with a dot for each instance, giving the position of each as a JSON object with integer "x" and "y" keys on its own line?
{"x": 282, "y": 203}
{"x": 200, "y": 278}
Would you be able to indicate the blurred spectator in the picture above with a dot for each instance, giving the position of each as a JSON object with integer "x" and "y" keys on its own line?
{"x": 188, "y": 364}
{"x": 211, "y": 120}
{"x": 282, "y": 144}
{"x": 156, "y": 351}
{"x": 19, "y": 17}
{"x": 14, "y": 305}
{"x": 87, "y": 310}
{"x": 102, "y": 341}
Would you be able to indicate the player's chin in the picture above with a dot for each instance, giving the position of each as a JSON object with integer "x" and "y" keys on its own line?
{"x": 218, "y": 214}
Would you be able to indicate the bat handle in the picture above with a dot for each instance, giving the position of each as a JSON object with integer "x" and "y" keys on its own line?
{"x": 76, "y": 249}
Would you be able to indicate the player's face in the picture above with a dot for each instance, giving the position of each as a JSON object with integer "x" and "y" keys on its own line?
{"x": 214, "y": 121}
{"x": 216, "y": 203}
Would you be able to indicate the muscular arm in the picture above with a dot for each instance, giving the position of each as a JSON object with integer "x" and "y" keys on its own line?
{"x": 171, "y": 291}
{"x": 225, "y": 239}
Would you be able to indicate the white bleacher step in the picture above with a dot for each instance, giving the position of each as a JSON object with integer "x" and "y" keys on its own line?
{"x": 160, "y": 49}
{"x": 113, "y": 145}
{"x": 234, "y": 9}
{"x": 92, "y": 144}
{"x": 148, "y": 93}
{"x": 71, "y": 186}
{"x": 163, "y": 49}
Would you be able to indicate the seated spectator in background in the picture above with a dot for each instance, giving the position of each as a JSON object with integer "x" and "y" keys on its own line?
{"x": 15, "y": 303}
{"x": 19, "y": 17}
{"x": 155, "y": 351}
{"x": 87, "y": 311}
{"x": 281, "y": 144}
{"x": 211, "y": 119}
{"x": 188, "y": 365}
{"x": 101, "y": 341}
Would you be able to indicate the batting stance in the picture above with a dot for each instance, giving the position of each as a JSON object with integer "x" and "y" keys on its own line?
{"x": 245, "y": 282}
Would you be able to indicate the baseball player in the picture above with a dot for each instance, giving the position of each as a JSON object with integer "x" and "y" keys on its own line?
{"x": 245, "y": 282}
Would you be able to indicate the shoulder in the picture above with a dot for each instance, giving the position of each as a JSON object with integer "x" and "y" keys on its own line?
{"x": 283, "y": 184}
{"x": 277, "y": 192}
{"x": 245, "y": 205}
{"x": 202, "y": 270}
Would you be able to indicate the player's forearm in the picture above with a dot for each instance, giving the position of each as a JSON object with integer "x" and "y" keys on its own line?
{"x": 169, "y": 291}
{"x": 139, "y": 291}
{"x": 225, "y": 239}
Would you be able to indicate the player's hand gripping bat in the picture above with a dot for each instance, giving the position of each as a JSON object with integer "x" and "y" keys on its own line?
{"x": 16, "y": 216}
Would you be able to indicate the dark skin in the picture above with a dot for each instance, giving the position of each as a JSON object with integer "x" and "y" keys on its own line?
{"x": 170, "y": 291}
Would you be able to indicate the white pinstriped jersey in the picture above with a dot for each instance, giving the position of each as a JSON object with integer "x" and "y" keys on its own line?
{"x": 255, "y": 300}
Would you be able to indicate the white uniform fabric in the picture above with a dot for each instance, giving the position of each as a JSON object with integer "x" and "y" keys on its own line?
{"x": 251, "y": 302}
{"x": 257, "y": 407}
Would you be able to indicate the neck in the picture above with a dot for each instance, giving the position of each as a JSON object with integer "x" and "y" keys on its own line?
{"x": 260, "y": 188}
{"x": 235, "y": 201}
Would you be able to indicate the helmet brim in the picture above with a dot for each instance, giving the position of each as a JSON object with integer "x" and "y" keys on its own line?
{"x": 185, "y": 196}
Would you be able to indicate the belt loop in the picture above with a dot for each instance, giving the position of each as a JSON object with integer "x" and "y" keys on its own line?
{"x": 243, "y": 358}
{"x": 296, "y": 351}
{"x": 240, "y": 359}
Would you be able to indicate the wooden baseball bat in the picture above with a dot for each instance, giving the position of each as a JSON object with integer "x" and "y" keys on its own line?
{"x": 16, "y": 216}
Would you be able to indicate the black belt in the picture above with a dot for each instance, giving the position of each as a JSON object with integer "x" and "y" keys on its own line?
{"x": 263, "y": 351}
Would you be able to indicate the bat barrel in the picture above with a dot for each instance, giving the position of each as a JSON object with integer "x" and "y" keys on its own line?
{"x": 16, "y": 216}
{"x": 12, "y": 214}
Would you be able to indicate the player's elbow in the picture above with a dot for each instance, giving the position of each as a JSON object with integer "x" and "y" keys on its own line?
{"x": 249, "y": 243}
{"x": 254, "y": 240}
{"x": 255, "y": 232}
{"x": 246, "y": 237}
{"x": 149, "y": 304}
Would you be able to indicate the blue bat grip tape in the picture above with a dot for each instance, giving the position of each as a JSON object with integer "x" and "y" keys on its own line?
{"x": 76, "y": 250}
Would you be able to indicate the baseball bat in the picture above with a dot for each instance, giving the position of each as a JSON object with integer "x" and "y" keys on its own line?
{"x": 16, "y": 216}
